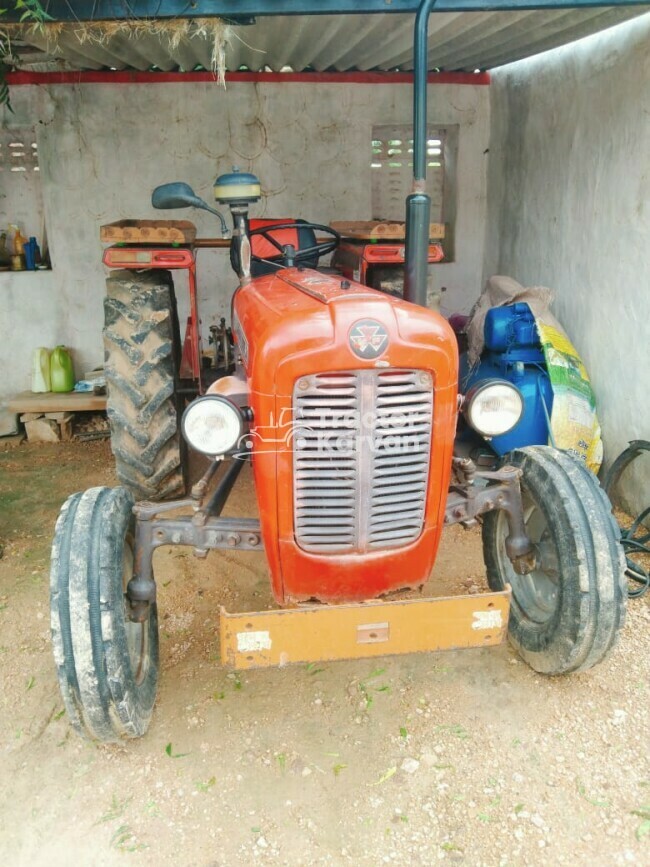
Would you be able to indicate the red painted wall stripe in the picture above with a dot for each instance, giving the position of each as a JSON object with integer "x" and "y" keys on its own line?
{"x": 134, "y": 77}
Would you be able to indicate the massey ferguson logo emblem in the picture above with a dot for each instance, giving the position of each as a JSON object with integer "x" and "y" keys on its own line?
{"x": 368, "y": 338}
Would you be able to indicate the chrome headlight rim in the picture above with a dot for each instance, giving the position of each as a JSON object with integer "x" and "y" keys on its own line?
{"x": 477, "y": 392}
{"x": 213, "y": 400}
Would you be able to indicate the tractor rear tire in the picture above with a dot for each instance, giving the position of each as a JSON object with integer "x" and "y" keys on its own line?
{"x": 566, "y": 615}
{"x": 106, "y": 664}
{"x": 141, "y": 344}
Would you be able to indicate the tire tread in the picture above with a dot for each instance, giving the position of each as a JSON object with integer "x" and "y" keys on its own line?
{"x": 139, "y": 339}
{"x": 87, "y": 619}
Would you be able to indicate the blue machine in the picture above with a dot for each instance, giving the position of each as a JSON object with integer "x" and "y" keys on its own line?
{"x": 513, "y": 351}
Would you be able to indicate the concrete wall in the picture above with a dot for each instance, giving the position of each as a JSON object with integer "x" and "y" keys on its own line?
{"x": 569, "y": 206}
{"x": 103, "y": 148}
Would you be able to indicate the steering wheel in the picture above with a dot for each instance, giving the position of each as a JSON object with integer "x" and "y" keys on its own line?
{"x": 289, "y": 259}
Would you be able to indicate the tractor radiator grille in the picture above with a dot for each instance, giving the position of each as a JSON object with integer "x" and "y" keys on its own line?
{"x": 362, "y": 441}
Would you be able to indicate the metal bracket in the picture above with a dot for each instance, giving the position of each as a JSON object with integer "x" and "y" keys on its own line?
{"x": 203, "y": 530}
{"x": 242, "y": 534}
{"x": 466, "y": 501}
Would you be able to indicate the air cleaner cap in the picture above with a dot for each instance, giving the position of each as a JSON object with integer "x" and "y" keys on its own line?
{"x": 237, "y": 187}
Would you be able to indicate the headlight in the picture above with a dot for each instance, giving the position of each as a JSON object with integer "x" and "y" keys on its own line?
{"x": 212, "y": 425}
{"x": 494, "y": 407}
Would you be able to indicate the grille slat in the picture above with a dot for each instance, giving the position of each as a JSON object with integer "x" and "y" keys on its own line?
{"x": 361, "y": 459}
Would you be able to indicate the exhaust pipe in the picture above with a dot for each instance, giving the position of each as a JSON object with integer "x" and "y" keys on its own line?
{"x": 418, "y": 203}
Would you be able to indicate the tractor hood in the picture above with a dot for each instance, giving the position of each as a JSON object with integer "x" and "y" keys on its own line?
{"x": 302, "y": 333}
{"x": 300, "y": 311}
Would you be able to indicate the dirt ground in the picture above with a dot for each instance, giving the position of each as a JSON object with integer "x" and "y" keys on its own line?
{"x": 465, "y": 757}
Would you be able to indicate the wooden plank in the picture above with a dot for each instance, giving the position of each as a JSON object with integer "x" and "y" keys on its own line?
{"x": 72, "y": 401}
{"x": 367, "y": 230}
{"x": 208, "y": 243}
{"x": 148, "y": 232}
{"x": 258, "y": 639}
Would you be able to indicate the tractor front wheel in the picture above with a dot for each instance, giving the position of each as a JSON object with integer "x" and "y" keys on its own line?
{"x": 107, "y": 665}
{"x": 566, "y": 614}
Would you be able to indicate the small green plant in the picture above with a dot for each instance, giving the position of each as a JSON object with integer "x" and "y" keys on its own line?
{"x": 311, "y": 668}
{"x": 366, "y": 690}
{"x": 597, "y": 802}
{"x": 456, "y": 730}
{"x": 115, "y": 811}
{"x": 172, "y": 755}
{"x": 386, "y": 776}
{"x": 207, "y": 785}
{"x": 644, "y": 828}
{"x": 31, "y": 12}
{"x": 124, "y": 840}
{"x": 338, "y": 768}
{"x": 448, "y": 846}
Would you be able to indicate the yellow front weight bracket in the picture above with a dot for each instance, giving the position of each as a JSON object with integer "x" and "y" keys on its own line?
{"x": 316, "y": 633}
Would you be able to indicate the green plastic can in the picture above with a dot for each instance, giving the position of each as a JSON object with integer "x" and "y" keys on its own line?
{"x": 61, "y": 372}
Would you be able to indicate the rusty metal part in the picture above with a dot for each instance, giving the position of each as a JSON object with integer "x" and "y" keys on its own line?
{"x": 326, "y": 632}
{"x": 221, "y": 338}
{"x": 466, "y": 501}
{"x": 241, "y": 533}
{"x": 146, "y": 510}
{"x": 202, "y": 530}
{"x": 217, "y": 501}
{"x": 199, "y": 488}
{"x": 238, "y": 533}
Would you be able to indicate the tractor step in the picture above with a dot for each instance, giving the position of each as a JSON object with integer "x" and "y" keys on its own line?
{"x": 316, "y": 633}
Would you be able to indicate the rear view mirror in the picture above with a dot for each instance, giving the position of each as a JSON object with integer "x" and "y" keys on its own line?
{"x": 177, "y": 195}
{"x": 180, "y": 195}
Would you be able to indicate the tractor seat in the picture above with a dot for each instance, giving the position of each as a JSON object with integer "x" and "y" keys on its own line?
{"x": 300, "y": 238}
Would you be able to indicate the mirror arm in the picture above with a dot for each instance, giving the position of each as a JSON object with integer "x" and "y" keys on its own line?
{"x": 224, "y": 226}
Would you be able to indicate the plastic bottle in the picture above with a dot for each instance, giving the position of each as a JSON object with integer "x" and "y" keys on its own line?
{"x": 38, "y": 259}
{"x": 61, "y": 372}
{"x": 19, "y": 240}
{"x": 5, "y": 255}
{"x": 41, "y": 369}
{"x": 18, "y": 258}
{"x": 30, "y": 263}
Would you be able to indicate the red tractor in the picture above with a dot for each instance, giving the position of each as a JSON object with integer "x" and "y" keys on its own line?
{"x": 344, "y": 399}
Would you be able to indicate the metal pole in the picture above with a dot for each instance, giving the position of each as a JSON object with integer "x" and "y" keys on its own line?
{"x": 418, "y": 203}
{"x": 224, "y": 486}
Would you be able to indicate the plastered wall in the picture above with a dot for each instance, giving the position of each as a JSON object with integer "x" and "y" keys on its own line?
{"x": 104, "y": 147}
{"x": 569, "y": 208}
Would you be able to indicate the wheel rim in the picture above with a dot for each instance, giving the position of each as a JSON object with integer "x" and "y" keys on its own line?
{"x": 537, "y": 594}
{"x": 137, "y": 634}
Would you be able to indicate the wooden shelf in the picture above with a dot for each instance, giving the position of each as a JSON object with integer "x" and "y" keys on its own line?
{"x": 50, "y": 401}
{"x": 148, "y": 232}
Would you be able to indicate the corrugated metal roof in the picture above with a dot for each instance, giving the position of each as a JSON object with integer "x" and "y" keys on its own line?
{"x": 462, "y": 41}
